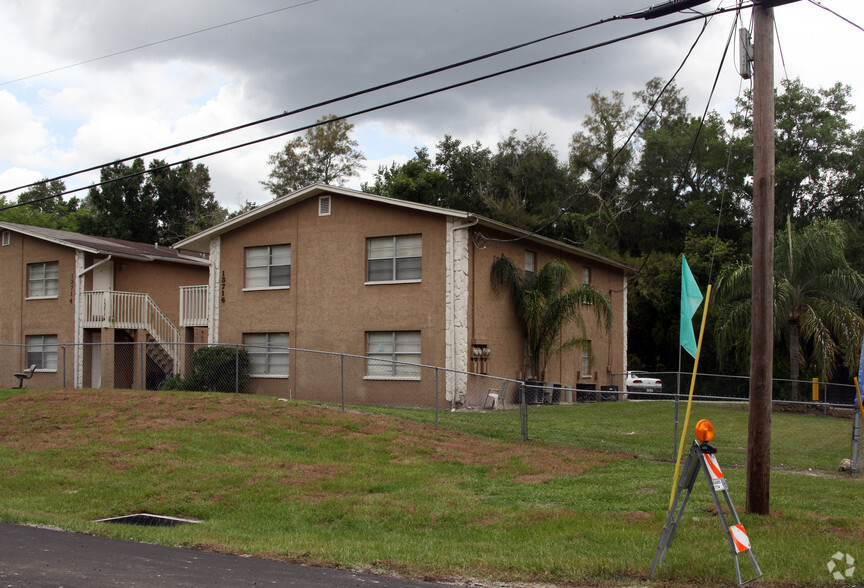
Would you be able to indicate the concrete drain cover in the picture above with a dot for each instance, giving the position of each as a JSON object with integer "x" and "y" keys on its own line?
{"x": 144, "y": 519}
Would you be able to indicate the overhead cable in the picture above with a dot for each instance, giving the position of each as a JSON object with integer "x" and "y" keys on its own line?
{"x": 358, "y": 112}
{"x": 322, "y": 103}
{"x": 146, "y": 45}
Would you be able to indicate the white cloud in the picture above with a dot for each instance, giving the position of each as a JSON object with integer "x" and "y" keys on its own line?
{"x": 168, "y": 92}
{"x": 22, "y": 131}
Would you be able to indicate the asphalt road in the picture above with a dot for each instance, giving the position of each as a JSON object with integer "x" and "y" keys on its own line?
{"x": 31, "y": 556}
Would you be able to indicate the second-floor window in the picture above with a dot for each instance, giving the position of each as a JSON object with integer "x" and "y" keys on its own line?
{"x": 530, "y": 264}
{"x": 268, "y": 267}
{"x": 43, "y": 279}
{"x": 395, "y": 259}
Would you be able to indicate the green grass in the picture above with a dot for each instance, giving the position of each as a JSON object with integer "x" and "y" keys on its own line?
{"x": 582, "y": 504}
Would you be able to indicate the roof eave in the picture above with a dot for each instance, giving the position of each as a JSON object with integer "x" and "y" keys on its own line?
{"x": 201, "y": 241}
{"x": 549, "y": 242}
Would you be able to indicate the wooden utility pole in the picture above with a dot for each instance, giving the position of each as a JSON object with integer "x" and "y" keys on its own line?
{"x": 762, "y": 320}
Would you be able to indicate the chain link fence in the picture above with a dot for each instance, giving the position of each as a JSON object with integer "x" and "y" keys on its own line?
{"x": 359, "y": 380}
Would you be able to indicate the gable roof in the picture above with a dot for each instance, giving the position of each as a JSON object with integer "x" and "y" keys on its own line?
{"x": 107, "y": 246}
{"x": 201, "y": 241}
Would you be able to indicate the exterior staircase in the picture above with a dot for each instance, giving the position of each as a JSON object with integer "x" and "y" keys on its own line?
{"x": 133, "y": 311}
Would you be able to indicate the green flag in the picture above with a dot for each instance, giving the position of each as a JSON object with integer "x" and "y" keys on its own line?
{"x": 691, "y": 298}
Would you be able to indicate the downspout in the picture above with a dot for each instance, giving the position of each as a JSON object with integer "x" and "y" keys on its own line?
{"x": 453, "y": 316}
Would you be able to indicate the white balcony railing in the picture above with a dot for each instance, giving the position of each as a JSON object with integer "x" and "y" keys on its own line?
{"x": 193, "y": 306}
{"x": 130, "y": 310}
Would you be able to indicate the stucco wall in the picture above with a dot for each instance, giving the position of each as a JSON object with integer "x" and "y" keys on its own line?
{"x": 329, "y": 306}
{"x": 493, "y": 320}
{"x": 21, "y": 317}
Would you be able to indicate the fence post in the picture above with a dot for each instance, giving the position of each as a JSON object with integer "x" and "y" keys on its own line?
{"x": 342, "y": 377}
{"x": 236, "y": 369}
{"x": 436, "y": 396}
{"x": 64, "y": 365}
{"x": 144, "y": 365}
{"x": 524, "y": 411}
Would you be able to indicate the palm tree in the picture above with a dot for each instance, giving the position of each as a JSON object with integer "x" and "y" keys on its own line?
{"x": 817, "y": 301}
{"x": 545, "y": 304}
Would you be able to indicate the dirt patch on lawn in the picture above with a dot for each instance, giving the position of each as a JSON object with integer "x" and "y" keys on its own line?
{"x": 49, "y": 420}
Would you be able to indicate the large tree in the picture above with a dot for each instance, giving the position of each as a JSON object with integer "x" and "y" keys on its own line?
{"x": 815, "y": 151}
{"x": 161, "y": 206}
{"x": 416, "y": 180}
{"x": 522, "y": 183}
{"x": 185, "y": 205}
{"x": 43, "y": 206}
{"x": 325, "y": 154}
{"x": 546, "y": 305}
{"x": 122, "y": 208}
{"x": 525, "y": 185}
{"x": 602, "y": 159}
{"x": 817, "y": 301}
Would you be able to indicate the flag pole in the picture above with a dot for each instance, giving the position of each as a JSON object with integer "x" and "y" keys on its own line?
{"x": 690, "y": 398}
{"x": 858, "y": 394}
{"x": 677, "y": 397}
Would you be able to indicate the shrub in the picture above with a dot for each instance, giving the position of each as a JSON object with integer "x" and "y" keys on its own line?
{"x": 215, "y": 369}
{"x": 175, "y": 383}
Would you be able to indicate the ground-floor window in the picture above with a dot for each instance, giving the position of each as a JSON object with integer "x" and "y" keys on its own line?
{"x": 393, "y": 354}
{"x": 42, "y": 352}
{"x": 268, "y": 353}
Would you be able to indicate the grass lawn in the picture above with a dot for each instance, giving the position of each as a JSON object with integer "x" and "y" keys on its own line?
{"x": 385, "y": 489}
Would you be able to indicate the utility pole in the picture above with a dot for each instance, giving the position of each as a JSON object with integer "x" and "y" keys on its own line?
{"x": 762, "y": 320}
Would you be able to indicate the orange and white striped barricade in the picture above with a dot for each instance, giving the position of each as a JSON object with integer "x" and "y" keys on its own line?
{"x": 703, "y": 457}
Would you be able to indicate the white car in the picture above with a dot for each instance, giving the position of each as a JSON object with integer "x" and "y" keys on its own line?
{"x": 640, "y": 383}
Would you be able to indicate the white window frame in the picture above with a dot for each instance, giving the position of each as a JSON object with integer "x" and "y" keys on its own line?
{"x": 7, "y": 238}
{"x": 586, "y": 363}
{"x": 269, "y": 354}
{"x": 398, "y": 250}
{"x": 42, "y": 351}
{"x": 272, "y": 253}
{"x": 530, "y": 264}
{"x": 586, "y": 280}
{"x": 393, "y": 355}
{"x": 40, "y": 284}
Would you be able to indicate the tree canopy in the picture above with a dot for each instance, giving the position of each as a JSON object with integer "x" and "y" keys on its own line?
{"x": 682, "y": 184}
{"x": 162, "y": 206}
{"x": 817, "y": 302}
{"x": 325, "y": 154}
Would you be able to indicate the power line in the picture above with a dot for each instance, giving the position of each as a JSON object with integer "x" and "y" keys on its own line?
{"x": 620, "y": 150}
{"x": 358, "y": 112}
{"x": 841, "y": 17}
{"x": 323, "y": 103}
{"x": 154, "y": 43}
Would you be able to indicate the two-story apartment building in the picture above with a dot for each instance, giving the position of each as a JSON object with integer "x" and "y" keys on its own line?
{"x": 402, "y": 283}
{"x": 63, "y": 293}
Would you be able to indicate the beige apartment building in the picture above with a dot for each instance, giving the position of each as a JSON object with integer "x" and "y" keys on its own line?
{"x": 400, "y": 284}
{"x": 62, "y": 293}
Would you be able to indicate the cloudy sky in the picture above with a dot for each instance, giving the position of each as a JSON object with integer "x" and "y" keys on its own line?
{"x": 86, "y": 83}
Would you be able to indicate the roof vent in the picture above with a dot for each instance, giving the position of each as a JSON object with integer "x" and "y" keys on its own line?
{"x": 324, "y": 206}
